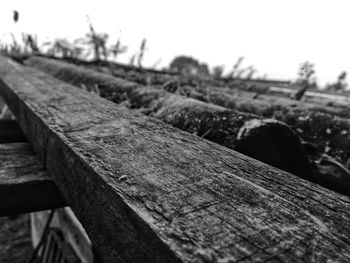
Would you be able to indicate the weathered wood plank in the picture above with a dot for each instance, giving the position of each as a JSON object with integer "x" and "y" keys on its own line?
{"x": 269, "y": 141}
{"x": 327, "y": 132}
{"x": 25, "y": 186}
{"x": 11, "y": 132}
{"x": 215, "y": 123}
{"x": 147, "y": 192}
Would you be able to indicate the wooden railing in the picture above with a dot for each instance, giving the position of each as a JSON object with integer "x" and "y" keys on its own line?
{"x": 147, "y": 192}
{"x": 25, "y": 185}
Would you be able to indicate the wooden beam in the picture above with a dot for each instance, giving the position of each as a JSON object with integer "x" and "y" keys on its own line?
{"x": 268, "y": 141}
{"x": 11, "y": 132}
{"x": 25, "y": 186}
{"x": 319, "y": 128}
{"x": 215, "y": 123}
{"x": 147, "y": 192}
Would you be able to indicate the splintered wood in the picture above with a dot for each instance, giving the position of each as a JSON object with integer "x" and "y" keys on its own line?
{"x": 147, "y": 192}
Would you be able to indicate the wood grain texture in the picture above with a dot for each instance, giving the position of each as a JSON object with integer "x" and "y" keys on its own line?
{"x": 272, "y": 142}
{"x": 25, "y": 186}
{"x": 215, "y": 123}
{"x": 147, "y": 192}
{"x": 329, "y": 133}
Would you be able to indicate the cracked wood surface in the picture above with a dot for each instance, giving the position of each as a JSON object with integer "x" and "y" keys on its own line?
{"x": 273, "y": 143}
{"x": 25, "y": 186}
{"x": 147, "y": 192}
{"x": 327, "y": 132}
{"x": 209, "y": 121}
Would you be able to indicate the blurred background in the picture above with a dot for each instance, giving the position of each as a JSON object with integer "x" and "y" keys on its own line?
{"x": 274, "y": 37}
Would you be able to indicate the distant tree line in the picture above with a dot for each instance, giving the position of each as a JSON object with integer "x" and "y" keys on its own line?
{"x": 96, "y": 46}
{"x": 188, "y": 65}
{"x": 307, "y": 80}
{"x": 340, "y": 85}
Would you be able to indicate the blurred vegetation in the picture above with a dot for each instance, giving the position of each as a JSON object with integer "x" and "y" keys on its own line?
{"x": 61, "y": 47}
{"x": 98, "y": 43}
{"x": 306, "y": 79}
{"x": 306, "y": 73}
{"x": 218, "y": 71}
{"x": 242, "y": 72}
{"x": 340, "y": 85}
{"x": 96, "y": 46}
{"x": 93, "y": 45}
{"x": 141, "y": 52}
{"x": 235, "y": 70}
{"x": 188, "y": 66}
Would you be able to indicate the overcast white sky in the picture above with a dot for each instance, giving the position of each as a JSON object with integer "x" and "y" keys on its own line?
{"x": 273, "y": 35}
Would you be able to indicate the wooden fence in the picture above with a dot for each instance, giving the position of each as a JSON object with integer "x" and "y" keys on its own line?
{"x": 147, "y": 192}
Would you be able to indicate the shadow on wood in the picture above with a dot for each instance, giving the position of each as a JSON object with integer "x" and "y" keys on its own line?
{"x": 11, "y": 132}
{"x": 25, "y": 186}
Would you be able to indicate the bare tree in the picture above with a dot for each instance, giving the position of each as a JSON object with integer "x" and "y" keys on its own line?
{"x": 141, "y": 52}
{"x": 117, "y": 49}
{"x": 132, "y": 60}
{"x": 30, "y": 43}
{"x": 340, "y": 84}
{"x": 306, "y": 78}
{"x": 236, "y": 66}
{"x": 250, "y": 72}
